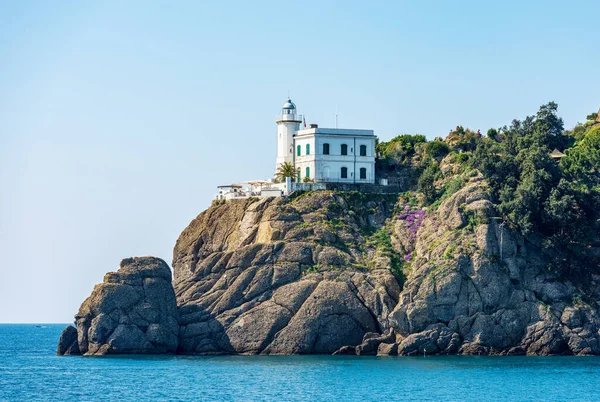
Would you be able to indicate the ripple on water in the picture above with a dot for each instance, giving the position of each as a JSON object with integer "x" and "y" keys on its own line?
{"x": 30, "y": 370}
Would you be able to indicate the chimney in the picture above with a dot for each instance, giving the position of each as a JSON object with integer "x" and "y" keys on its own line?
{"x": 314, "y": 126}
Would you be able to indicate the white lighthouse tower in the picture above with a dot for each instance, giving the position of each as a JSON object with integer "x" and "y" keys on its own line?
{"x": 288, "y": 123}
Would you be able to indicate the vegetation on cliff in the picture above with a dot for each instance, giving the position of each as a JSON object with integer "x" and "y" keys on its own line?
{"x": 555, "y": 201}
{"x": 484, "y": 253}
{"x": 559, "y": 201}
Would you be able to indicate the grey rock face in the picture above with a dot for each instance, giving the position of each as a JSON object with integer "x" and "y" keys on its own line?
{"x": 133, "y": 311}
{"x": 487, "y": 290}
{"x": 372, "y": 342}
{"x": 303, "y": 276}
{"x": 67, "y": 344}
{"x": 436, "y": 339}
{"x": 276, "y": 277}
{"x": 387, "y": 349}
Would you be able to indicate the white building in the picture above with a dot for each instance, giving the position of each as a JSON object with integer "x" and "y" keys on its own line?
{"x": 247, "y": 189}
{"x": 324, "y": 154}
{"x": 229, "y": 191}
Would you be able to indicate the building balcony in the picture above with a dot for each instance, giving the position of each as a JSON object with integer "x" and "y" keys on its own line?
{"x": 289, "y": 117}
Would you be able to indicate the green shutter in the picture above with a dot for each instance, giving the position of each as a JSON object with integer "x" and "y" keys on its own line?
{"x": 298, "y": 150}
{"x": 307, "y": 149}
{"x": 308, "y": 171}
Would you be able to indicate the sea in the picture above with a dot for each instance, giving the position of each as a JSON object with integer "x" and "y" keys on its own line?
{"x": 30, "y": 370}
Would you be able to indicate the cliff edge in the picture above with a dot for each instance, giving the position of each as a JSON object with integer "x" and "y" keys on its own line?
{"x": 279, "y": 276}
{"x": 347, "y": 273}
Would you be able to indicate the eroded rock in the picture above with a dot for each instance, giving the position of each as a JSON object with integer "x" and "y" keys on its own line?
{"x": 485, "y": 289}
{"x": 133, "y": 311}
{"x": 272, "y": 296}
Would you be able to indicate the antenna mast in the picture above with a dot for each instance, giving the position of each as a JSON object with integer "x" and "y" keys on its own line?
{"x": 336, "y": 116}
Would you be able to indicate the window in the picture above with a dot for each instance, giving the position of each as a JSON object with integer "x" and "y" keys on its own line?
{"x": 325, "y": 149}
{"x": 363, "y": 150}
{"x": 308, "y": 172}
{"x": 298, "y": 150}
{"x": 344, "y": 173}
{"x": 363, "y": 173}
{"x": 299, "y": 176}
{"x": 344, "y": 149}
{"x": 307, "y": 149}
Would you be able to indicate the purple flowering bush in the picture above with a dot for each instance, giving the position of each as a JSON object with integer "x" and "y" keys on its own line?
{"x": 414, "y": 218}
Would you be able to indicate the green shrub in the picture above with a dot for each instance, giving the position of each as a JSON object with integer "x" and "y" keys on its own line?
{"x": 462, "y": 157}
{"x": 426, "y": 182}
{"x": 437, "y": 149}
{"x": 449, "y": 253}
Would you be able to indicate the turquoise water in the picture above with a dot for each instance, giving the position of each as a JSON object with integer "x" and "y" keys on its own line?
{"x": 29, "y": 370}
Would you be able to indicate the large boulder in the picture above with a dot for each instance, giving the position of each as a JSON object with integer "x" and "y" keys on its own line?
{"x": 133, "y": 311}
{"x": 68, "y": 344}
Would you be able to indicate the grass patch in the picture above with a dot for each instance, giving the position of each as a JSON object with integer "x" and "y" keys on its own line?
{"x": 449, "y": 189}
{"x": 449, "y": 253}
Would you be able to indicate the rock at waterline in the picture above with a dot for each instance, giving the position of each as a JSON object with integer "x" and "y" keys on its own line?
{"x": 133, "y": 311}
{"x": 67, "y": 344}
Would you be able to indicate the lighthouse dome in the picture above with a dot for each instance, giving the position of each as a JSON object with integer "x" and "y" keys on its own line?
{"x": 289, "y": 104}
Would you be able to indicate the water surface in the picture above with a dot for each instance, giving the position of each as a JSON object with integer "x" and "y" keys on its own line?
{"x": 29, "y": 370}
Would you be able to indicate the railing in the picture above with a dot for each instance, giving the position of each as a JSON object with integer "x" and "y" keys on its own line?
{"x": 307, "y": 186}
{"x": 337, "y": 178}
{"x": 289, "y": 117}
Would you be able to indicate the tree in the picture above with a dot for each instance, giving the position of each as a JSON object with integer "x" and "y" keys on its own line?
{"x": 582, "y": 163}
{"x": 493, "y": 134}
{"x": 524, "y": 205}
{"x": 593, "y": 116}
{"x": 437, "y": 149}
{"x": 426, "y": 182}
{"x": 560, "y": 203}
{"x": 561, "y": 209}
{"x": 287, "y": 169}
{"x": 400, "y": 147}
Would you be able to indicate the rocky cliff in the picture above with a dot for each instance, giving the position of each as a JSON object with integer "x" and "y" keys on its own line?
{"x": 278, "y": 276}
{"x": 477, "y": 287}
{"x": 329, "y": 272}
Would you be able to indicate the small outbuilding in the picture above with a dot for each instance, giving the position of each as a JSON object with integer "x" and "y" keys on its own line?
{"x": 229, "y": 191}
{"x": 557, "y": 155}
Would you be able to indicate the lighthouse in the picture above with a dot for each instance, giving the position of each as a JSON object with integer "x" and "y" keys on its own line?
{"x": 324, "y": 155}
{"x": 288, "y": 123}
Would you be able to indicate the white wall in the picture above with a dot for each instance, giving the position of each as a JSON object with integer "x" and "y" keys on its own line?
{"x": 303, "y": 161}
{"x": 329, "y": 167}
{"x": 285, "y": 141}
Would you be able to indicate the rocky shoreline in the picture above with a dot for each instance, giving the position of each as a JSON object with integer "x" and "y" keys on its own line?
{"x": 319, "y": 274}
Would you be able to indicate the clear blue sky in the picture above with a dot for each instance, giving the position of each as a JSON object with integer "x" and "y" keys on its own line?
{"x": 118, "y": 119}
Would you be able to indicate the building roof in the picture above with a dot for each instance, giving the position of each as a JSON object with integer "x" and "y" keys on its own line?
{"x": 289, "y": 104}
{"x": 336, "y": 131}
{"x": 556, "y": 154}
{"x": 256, "y": 182}
{"x": 230, "y": 185}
